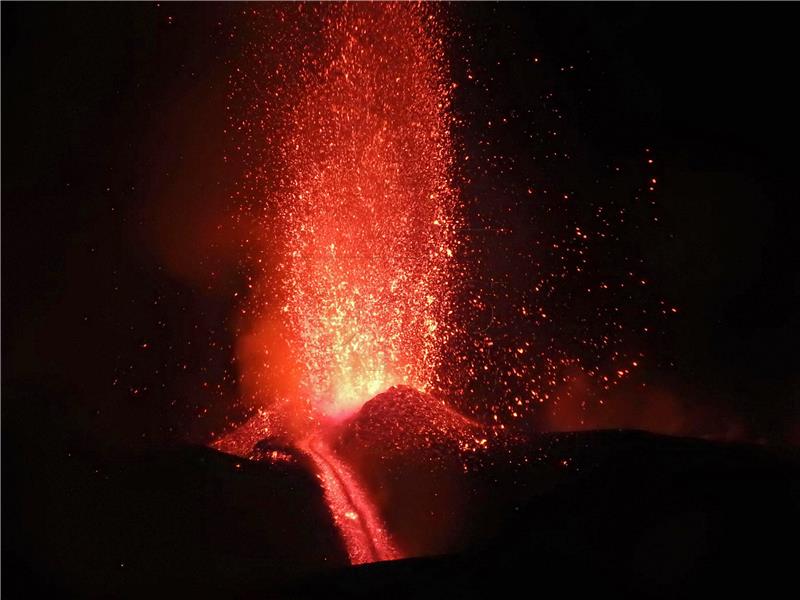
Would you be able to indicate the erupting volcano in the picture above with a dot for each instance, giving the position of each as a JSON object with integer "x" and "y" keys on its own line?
{"x": 472, "y": 291}
{"x": 353, "y": 281}
{"x": 369, "y": 265}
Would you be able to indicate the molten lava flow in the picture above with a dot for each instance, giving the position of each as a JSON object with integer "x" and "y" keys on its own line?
{"x": 362, "y": 530}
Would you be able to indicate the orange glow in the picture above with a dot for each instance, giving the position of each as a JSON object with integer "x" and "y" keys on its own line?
{"x": 364, "y": 534}
{"x": 364, "y": 215}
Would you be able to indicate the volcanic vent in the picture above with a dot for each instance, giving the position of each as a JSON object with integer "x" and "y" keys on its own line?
{"x": 402, "y": 420}
{"x": 413, "y": 452}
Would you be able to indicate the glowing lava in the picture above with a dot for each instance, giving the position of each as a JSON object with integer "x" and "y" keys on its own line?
{"x": 368, "y": 209}
{"x": 364, "y": 212}
{"x": 362, "y": 530}
{"x": 353, "y": 284}
{"x": 355, "y": 272}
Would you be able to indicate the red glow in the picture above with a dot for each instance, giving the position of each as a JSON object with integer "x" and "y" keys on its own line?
{"x": 352, "y": 281}
{"x": 364, "y": 215}
{"x": 355, "y": 268}
{"x": 363, "y": 532}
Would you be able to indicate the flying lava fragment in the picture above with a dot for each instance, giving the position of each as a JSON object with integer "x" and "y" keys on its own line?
{"x": 357, "y": 265}
{"x": 363, "y": 210}
{"x": 353, "y": 281}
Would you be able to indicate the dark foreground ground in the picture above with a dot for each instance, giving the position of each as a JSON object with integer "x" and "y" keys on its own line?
{"x": 646, "y": 516}
{"x": 619, "y": 512}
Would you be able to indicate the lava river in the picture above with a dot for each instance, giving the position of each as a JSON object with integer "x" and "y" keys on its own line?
{"x": 356, "y": 517}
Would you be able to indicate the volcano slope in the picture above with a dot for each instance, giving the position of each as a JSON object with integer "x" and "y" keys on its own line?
{"x": 615, "y": 511}
{"x": 621, "y": 512}
{"x": 85, "y": 519}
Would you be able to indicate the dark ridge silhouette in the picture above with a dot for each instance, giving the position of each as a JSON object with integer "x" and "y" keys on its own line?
{"x": 84, "y": 521}
{"x": 621, "y": 512}
{"x": 630, "y": 514}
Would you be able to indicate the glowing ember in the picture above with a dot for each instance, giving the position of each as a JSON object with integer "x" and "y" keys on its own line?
{"x": 356, "y": 277}
{"x": 368, "y": 209}
{"x": 357, "y": 280}
{"x": 364, "y": 212}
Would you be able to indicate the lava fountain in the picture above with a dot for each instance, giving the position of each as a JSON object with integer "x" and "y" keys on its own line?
{"x": 355, "y": 289}
{"x": 352, "y": 287}
{"x": 368, "y": 209}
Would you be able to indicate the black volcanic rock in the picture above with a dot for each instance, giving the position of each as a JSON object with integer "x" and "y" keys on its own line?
{"x": 593, "y": 513}
{"x": 424, "y": 464}
{"x": 183, "y": 521}
{"x": 624, "y": 514}
{"x": 402, "y": 420}
{"x": 436, "y": 499}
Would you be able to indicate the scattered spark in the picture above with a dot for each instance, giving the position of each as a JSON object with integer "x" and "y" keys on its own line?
{"x": 369, "y": 271}
{"x": 364, "y": 214}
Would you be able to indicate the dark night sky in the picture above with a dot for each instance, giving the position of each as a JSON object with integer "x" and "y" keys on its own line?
{"x": 112, "y": 173}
